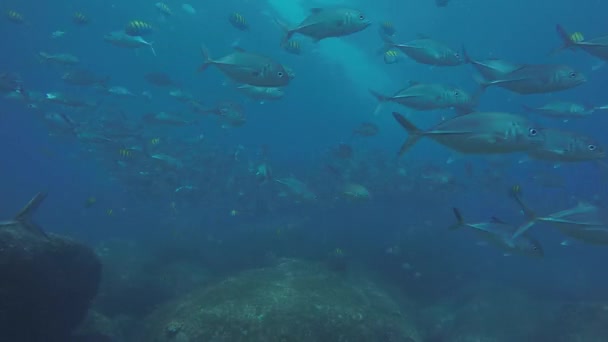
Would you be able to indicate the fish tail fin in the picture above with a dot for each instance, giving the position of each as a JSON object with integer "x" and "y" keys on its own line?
{"x": 482, "y": 83}
{"x": 206, "y": 59}
{"x": 465, "y": 55}
{"x": 151, "y": 45}
{"x": 287, "y": 32}
{"x": 565, "y": 37}
{"x": 515, "y": 192}
{"x": 24, "y": 215}
{"x": 388, "y": 44}
{"x": 415, "y": 134}
{"x": 459, "y": 220}
{"x": 381, "y": 100}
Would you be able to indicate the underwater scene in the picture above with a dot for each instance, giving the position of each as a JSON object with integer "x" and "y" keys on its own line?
{"x": 303, "y": 171}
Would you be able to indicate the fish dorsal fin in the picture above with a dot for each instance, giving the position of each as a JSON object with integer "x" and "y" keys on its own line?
{"x": 316, "y": 10}
{"x": 495, "y": 219}
{"x": 422, "y": 36}
{"x": 238, "y": 48}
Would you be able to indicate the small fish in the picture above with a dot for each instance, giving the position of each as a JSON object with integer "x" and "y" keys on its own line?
{"x": 138, "y": 28}
{"x": 60, "y": 59}
{"x": 500, "y": 234}
{"x": 442, "y": 3}
{"x": 155, "y": 141}
{"x": 387, "y": 28}
{"x": 84, "y": 77}
{"x": 392, "y": 56}
{"x": 164, "y": 10}
{"x": 238, "y": 21}
{"x": 188, "y": 9}
{"x": 292, "y": 46}
{"x": 248, "y": 68}
{"x": 167, "y": 119}
{"x": 120, "y": 91}
{"x": 324, "y": 23}
{"x": 356, "y": 191}
{"x": 15, "y": 17}
{"x": 367, "y": 129}
{"x": 80, "y": 19}
{"x": 124, "y": 40}
{"x": 597, "y": 47}
{"x": 89, "y": 202}
{"x": 57, "y": 34}
{"x": 478, "y": 133}
{"x": 125, "y": 153}
{"x": 262, "y": 93}
{"x": 66, "y": 100}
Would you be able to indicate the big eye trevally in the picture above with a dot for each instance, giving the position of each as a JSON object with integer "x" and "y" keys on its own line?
{"x": 536, "y": 79}
{"x": 597, "y": 47}
{"x": 478, "y": 133}
{"x": 426, "y": 51}
{"x": 563, "y": 146}
{"x": 248, "y": 68}
{"x": 324, "y": 23}
{"x": 562, "y": 110}
{"x": 500, "y": 234}
{"x": 429, "y": 96}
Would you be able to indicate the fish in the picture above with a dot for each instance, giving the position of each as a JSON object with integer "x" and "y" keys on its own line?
{"x": 138, "y": 28}
{"x": 597, "y": 47}
{"x": 238, "y": 21}
{"x": 66, "y": 100}
{"x": 23, "y": 219}
{"x": 82, "y": 77}
{"x": 563, "y": 146}
{"x": 262, "y": 93}
{"x": 562, "y": 110}
{"x": 429, "y": 96}
{"x": 61, "y": 122}
{"x": 248, "y": 68}
{"x": 123, "y": 40}
{"x": 166, "y": 119}
{"x": 584, "y": 222}
{"x": 230, "y": 113}
{"x": 160, "y": 79}
{"x": 356, "y": 191}
{"x": 536, "y": 79}
{"x": 442, "y": 3}
{"x": 164, "y": 9}
{"x": 15, "y": 17}
{"x": 80, "y": 19}
{"x": 426, "y": 51}
{"x": 392, "y": 56}
{"x": 478, "y": 133}
{"x": 500, "y": 234}
{"x": 322, "y": 23}
{"x": 120, "y": 91}
{"x": 366, "y": 129}
{"x": 492, "y": 68}
{"x": 188, "y": 9}
{"x": 297, "y": 188}
{"x": 292, "y": 46}
{"x": 60, "y": 59}
{"x": 11, "y": 83}
{"x": 387, "y": 28}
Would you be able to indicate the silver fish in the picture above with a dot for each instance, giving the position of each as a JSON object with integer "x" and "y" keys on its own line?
{"x": 123, "y": 40}
{"x": 562, "y": 110}
{"x": 262, "y": 93}
{"x": 249, "y": 68}
{"x": 324, "y": 23}
{"x": 500, "y": 234}
{"x": 584, "y": 222}
{"x": 562, "y": 146}
{"x": 61, "y": 58}
{"x": 426, "y": 51}
{"x": 597, "y": 47}
{"x": 478, "y": 133}
{"x": 429, "y": 96}
{"x": 536, "y": 79}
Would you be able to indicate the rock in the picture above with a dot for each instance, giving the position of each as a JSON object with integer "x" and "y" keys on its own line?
{"x": 47, "y": 281}
{"x": 293, "y": 301}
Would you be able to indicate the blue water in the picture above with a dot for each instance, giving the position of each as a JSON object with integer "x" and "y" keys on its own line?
{"x": 327, "y": 99}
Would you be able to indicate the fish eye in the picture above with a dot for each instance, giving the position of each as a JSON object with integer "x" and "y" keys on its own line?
{"x": 361, "y": 17}
{"x": 533, "y": 132}
{"x": 456, "y": 93}
{"x": 280, "y": 74}
{"x": 591, "y": 147}
{"x": 573, "y": 75}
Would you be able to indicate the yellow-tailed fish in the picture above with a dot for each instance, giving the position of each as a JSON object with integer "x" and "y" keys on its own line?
{"x": 125, "y": 153}
{"x": 15, "y": 17}
{"x": 238, "y": 21}
{"x": 138, "y": 28}
{"x": 80, "y": 19}
{"x": 292, "y": 46}
{"x": 391, "y": 56}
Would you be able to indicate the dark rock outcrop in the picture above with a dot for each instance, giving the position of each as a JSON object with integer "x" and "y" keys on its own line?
{"x": 47, "y": 281}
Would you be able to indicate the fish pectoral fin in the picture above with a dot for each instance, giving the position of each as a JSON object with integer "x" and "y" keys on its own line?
{"x": 439, "y": 132}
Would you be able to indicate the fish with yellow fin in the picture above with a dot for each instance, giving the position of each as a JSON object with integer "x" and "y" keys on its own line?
{"x": 597, "y": 47}
{"x": 80, "y": 19}
{"x": 138, "y": 28}
{"x": 15, "y": 17}
{"x": 164, "y": 10}
{"x": 392, "y": 56}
